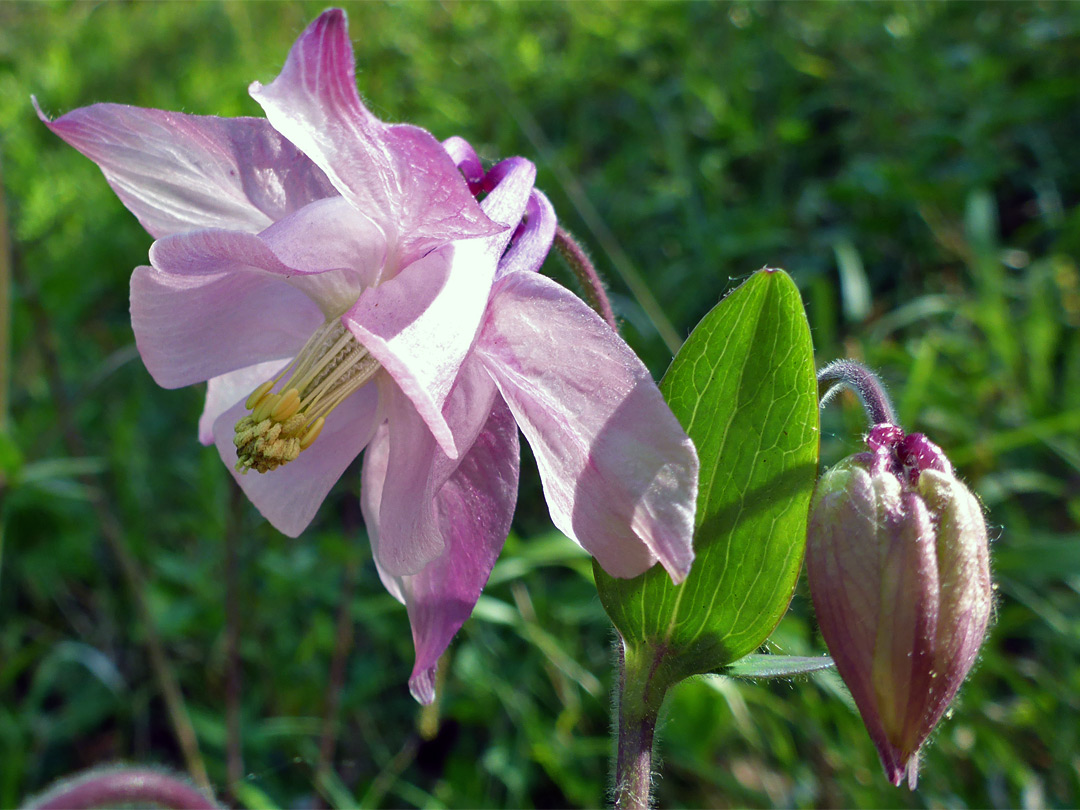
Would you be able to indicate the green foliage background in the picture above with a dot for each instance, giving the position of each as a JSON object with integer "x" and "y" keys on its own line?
{"x": 913, "y": 166}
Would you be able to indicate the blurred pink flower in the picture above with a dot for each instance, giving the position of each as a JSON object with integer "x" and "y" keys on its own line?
{"x": 336, "y": 282}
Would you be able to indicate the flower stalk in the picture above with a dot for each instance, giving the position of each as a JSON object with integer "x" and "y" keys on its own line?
{"x": 865, "y": 383}
{"x": 583, "y": 269}
{"x": 643, "y": 685}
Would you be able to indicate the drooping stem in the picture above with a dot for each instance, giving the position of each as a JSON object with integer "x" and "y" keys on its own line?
{"x": 865, "y": 383}
{"x": 578, "y": 261}
{"x": 640, "y": 695}
{"x": 123, "y": 787}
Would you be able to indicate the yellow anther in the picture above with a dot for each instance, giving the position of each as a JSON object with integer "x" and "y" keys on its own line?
{"x": 312, "y": 433}
{"x": 258, "y": 394}
{"x": 264, "y": 408}
{"x": 288, "y": 405}
{"x": 279, "y": 426}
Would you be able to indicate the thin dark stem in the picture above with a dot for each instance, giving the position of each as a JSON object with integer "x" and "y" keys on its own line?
{"x": 865, "y": 383}
{"x": 578, "y": 260}
{"x": 350, "y": 524}
{"x": 234, "y": 752}
{"x": 113, "y": 534}
{"x": 342, "y": 645}
{"x": 138, "y": 787}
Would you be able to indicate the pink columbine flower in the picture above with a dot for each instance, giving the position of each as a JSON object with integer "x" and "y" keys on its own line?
{"x": 898, "y": 564}
{"x": 338, "y": 285}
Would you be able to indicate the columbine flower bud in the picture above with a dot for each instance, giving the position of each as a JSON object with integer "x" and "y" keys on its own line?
{"x": 897, "y": 559}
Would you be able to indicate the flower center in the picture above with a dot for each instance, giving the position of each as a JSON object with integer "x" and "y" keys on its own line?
{"x": 283, "y": 424}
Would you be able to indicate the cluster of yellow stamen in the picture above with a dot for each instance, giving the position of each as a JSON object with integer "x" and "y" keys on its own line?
{"x": 281, "y": 425}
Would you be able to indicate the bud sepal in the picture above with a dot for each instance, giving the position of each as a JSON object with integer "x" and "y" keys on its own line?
{"x": 897, "y": 558}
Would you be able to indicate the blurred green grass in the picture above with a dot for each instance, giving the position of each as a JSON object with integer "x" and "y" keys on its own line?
{"x": 913, "y": 166}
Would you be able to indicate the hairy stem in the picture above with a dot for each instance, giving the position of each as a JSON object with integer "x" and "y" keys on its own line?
{"x": 865, "y": 383}
{"x": 640, "y": 695}
{"x": 578, "y": 261}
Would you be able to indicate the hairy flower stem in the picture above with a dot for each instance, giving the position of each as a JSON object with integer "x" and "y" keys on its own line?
{"x": 595, "y": 294}
{"x": 640, "y": 695}
{"x": 865, "y": 383}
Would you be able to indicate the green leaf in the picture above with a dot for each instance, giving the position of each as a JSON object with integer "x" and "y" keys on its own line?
{"x": 744, "y": 388}
{"x": 755, "y": 666}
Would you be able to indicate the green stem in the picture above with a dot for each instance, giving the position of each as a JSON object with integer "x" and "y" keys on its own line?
{"x": 5, "y": 309}
{"x": 642, "y": 687}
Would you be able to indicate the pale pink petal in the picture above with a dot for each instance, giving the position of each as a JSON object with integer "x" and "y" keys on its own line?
{"x": 619, "y": 472}
{"x": 475, "y": 508}
{"x": 398, "y": 176}
{"x": 225, "y": 391}
{"x": 290, "y": 496}
{"x": 376, "y": 461}
{"x": 509, "y": 184}
{"x": 337, "y": 251}
{"x": 420, "y": 325}
{"x": 467, "y": 161}
{"x": 467, "y": 408}
{"x": 326, "y": 250}
{"x": 404, "y": 529}
{"x": 179, "y": 172}
{"x": 406, "y": 324}
{"x": 193, "y": 328}
{"x": 404, "y": 469}
{"x": 533, "y": 239}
